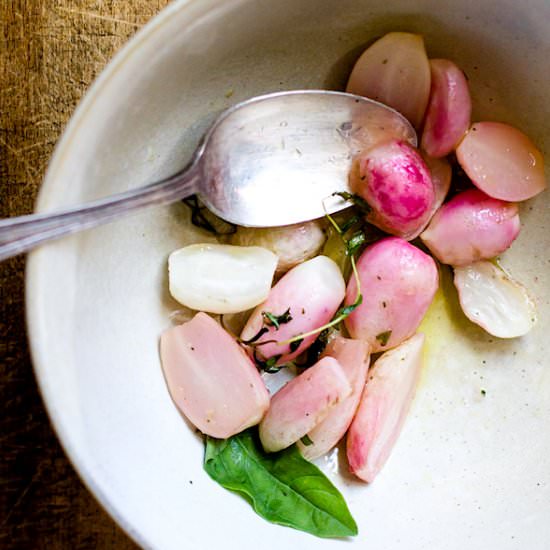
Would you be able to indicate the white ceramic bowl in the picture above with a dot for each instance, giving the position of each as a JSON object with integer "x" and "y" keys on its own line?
{"x": 469, "y": 471}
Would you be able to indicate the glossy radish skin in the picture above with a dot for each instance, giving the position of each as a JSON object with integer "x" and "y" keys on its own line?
{"x": 353, "y": 356}
{"x": 502, "y": 161}
{"x": 395, "y": 70}
{"x": 313, "y": 291}
{"x": 449, "y": 109}
{"x": 398, "y": 283}
{"x": 200, "y": 362}
{"x": 396, "y": 183}
{"x": 302, "y": 403}
{"x": 292, "y": 244}
{"x": 471, "y": 227}
{"x": 494, "y": 301}
{"x": 390, "y": 388}
{"x": 221, "y": 278}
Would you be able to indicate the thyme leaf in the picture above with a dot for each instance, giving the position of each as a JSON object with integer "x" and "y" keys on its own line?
{"x": 306, "y": 440}
{"x": 384, "y": 337}
{"x": 276, "y": 321}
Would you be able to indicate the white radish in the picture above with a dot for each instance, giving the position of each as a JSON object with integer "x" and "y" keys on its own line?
{"x": 302, "y": 403}
{"x": 449, "y": 109}
{"x": 396, "y": 183}
{"x": 220, "y": 278}
{"x": 471, "y": 226}
{"x": 395, "y": 70}
{"x": 494, "y": 301}
{"x": 211, "y": 378}
{"x": 312, "y": 292}
{"x": 390, "y": 388}
{"x": 398, "y": 283}
{"x": 353, "y": 356}
{"x": 293, "y": 244}
{"x": 502, "y": 161}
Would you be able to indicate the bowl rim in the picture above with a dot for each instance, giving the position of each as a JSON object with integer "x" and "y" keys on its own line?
{"x": 34, "y": 261}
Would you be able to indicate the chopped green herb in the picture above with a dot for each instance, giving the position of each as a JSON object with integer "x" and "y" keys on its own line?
{"x": 306, "y": 440}
{"x": 316, "y": 349}
{"x": 361, "y": 203}
{"x": 483, "y": 392}
{"x": 295, "y": 345}
{"x": 355, "y": 242}
{"x": 384, "y": 337}
{"x": 256, "y": 337}
{"x": 276, "y": 320}
{"x": 204, "y": 219}
{"x": 267, "y": 365}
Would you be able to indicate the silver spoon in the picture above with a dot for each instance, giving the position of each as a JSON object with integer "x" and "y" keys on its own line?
{"x": 272, "y": 160}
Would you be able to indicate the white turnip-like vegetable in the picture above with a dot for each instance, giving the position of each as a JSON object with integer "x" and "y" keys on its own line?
{"x": 353, "y": 356}
{"x": 397, "y": 185}
{"x": 312, "y": 292}
{"x": 470, "y": 227}
{"x": 302, "y": 403}
{"x": 449, "y": 109}
{"x": 494, "y": 301}
{"x": 391, "y": 384}
{"x": 502, "y": 161}
{"x": 398, "y": 283}
{"x": 211, "y": 379}
{"x": 395, "y": 70}
{"x": 221, "y": 278}
{"x": 293, "y": 244}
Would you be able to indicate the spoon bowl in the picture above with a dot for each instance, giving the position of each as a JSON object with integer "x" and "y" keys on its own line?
{"x": 272, "y": 160}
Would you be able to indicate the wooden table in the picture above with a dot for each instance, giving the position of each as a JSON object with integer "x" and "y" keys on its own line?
{"x": 50, "y": 51}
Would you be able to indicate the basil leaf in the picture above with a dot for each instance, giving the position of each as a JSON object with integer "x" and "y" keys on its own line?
{"x": 283, "y": 487}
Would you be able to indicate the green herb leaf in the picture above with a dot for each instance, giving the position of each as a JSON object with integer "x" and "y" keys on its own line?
{"x": 355, "y": 242}
{"x": 283, "y": 487}
{"x": 256, "y": 337}
{"x": 293, "y": 346}
{"x": 203, "y": 218}
{"x": 267, "y": 365}
{"x": 306, "y": 440}
{"x": 361, "y": 203}
{"x": 276, "y": 320}
{"x": 316, "y": 349}
{"x": 384, "y": 337}
{"x": 346, "y": 310}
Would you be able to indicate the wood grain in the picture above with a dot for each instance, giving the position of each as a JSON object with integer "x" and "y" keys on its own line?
{"x": 50, "y": 52}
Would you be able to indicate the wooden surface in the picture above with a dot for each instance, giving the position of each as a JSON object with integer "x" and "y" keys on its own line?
{"x": 50, "y": 51}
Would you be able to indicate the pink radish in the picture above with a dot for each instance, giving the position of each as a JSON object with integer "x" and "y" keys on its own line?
{"x": 302, "y": 403}
{"x": 471, "y": 227}
{"x": 384, "y": 406}
{"x": 312, "y": 292}
{"x": 398, "y": 283}
{"x": 396, "y": 183}
{"x": 449, "y": 109}
{"x": 353, "y": 356}
{"x": 395, "y": 70}
{"x": 502, "y": 161}
{"x": 200, "y": 362}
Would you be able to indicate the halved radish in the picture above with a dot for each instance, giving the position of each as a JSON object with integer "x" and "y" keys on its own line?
{"x": 398, "y": 283}
{"x": 502, "y": 161}
{"x": 302, "y": 403}
{"x": 395, "y": 70}
{"x": 311, "y": 292}
{"x": 396, "y": 183}
{"x": 221, "y": 278}
{"x": 353, "y": 356}
{"x": 494, "y": 301}
{"x": 449, "y": 109}
{"x": 200, "y": 362}
{"x": 471, "y": 226}
{"x": 390, "y": 388}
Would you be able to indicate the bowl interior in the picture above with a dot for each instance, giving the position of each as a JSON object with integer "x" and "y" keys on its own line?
{"x": 468, "y": 467}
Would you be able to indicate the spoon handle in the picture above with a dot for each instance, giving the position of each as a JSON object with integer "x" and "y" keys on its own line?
{"x": 20, "y": 234}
